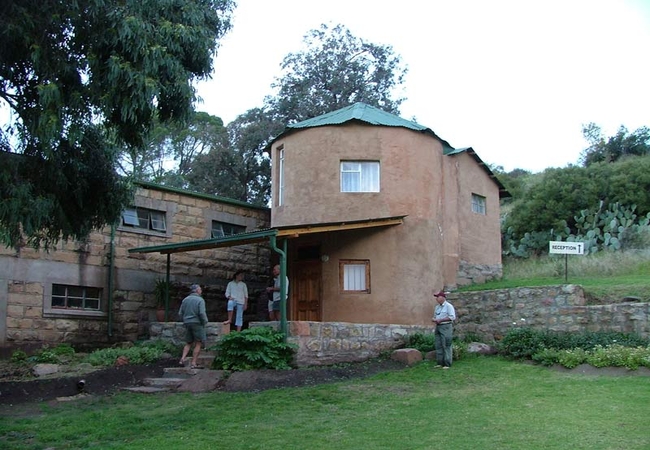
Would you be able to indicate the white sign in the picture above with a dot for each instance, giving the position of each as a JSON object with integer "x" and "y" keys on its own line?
{"x": 566, "y": 248}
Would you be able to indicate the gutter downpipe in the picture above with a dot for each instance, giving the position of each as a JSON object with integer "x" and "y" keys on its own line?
{"x": 283, "y": 284}
{"x": 169, "y": 256}
{"x": 111, "y": 280}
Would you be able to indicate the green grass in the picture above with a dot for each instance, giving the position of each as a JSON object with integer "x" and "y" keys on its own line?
{"x": 480, "y": 403}
{"x": 605, "y": 276}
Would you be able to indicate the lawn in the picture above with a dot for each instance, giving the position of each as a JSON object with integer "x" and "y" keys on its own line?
{"x": 482, "y": 402}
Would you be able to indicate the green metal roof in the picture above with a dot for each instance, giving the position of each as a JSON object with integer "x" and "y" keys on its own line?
{"x": 362, "y": 113}
{"x": 503, "y": 192}
{"x": 375, "y": 116}
{"x": 231, "y": 201}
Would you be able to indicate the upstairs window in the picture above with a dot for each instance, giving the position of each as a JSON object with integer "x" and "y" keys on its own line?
{"x": 281, "y": 176}
{"x": 354, "y": 275}
{"x": 144, "y": 219}
{"x": 359, "y": 176}
{"x": 478, "y": 204}
{"x": 76, "y": 297}
{"x": 221, "y": 229}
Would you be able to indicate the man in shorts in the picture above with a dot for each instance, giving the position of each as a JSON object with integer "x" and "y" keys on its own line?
{"x": 195, "y": 319}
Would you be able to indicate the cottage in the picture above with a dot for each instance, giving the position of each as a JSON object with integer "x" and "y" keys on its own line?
{"x": 426, "y": 216}
{"x": 96, "y": 291}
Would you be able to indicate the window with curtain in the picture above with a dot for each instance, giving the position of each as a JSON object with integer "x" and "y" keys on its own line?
{"x": 359, "y": 176}
{"x": 354, "y": 275}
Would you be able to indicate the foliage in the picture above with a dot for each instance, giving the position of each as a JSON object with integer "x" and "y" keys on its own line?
{"x": 424, "y": 342}
{"x": 161, "y": 290}
{"x": 524, "y": 342}
{"x": 18, "y": 356}
{"x": 605, "y": 205}
{"x": 161, "y": 345}
{"x": 63, "y": 350}
{"x": 254, "y": 348}
{"x": 81, "y": 79}
{"x": 141, "y": 354}
{"x": 236, "y": 166}
{"x": 619, "y": 355}
{"x": 611, "y": 149}
{"x": 521, "y": 343}
{"x": 613, "y": 355}
{"x": 336, "y": 70}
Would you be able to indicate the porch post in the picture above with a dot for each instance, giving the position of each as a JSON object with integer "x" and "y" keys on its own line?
{"x": 169, "y": 256}
{"x": 283, "y": 283}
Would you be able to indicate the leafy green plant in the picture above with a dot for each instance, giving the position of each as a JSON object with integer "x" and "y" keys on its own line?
{"x": 572, "y": 358}
{"x": 521, "y": 343}
{"x": 45, "y": 356}
{"x": 63, "y": 350}
{"x": 546, "y": 356}
{"x": 161, "y": 345}
{"x": 18, "y": 356}
{"x": 254, "y": 348}
{"x": 135, "y": 355}
{"x": 424, "y": 342}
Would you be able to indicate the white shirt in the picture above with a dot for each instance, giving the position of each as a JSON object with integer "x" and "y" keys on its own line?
{"x": 445, "y": 311}
{"x": 238, "y": 291}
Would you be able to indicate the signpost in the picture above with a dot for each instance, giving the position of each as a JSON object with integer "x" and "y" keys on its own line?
{"x": 566, "y": 249}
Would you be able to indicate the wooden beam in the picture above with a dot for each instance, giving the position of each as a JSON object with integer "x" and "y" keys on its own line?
{"x": 295, "y": 232}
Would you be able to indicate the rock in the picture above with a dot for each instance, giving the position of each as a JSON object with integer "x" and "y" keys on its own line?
{"x": 481, "y": 348}
{"x": 408, "y": 356}
{"x": 121, "y": 361}
{"x": 45, "y": 369}
{"x": 430, "y": 356}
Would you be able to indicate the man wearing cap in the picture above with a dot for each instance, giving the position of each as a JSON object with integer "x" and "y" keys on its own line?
{"x": 444, "y": 315}
{"x": 194, "y": 318}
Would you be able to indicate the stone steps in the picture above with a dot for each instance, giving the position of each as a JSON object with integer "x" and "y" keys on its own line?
{"x": 174, "y": 377}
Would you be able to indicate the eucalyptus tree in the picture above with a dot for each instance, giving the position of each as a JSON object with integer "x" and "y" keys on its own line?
{"x": 80, "y": 81}
{"x": 609, "y": 149}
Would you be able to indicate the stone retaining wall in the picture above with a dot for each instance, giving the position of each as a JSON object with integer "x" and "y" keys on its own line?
{"x": 490, "y": 314}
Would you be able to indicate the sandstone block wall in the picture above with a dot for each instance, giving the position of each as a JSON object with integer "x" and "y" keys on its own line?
{"x": 27, "y": 275}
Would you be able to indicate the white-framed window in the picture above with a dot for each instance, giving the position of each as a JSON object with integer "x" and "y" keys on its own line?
{"x": 144, "y": 219}
{"x": 280, "y": 175}
{"x": 478, "y": 204}
{"x": 221, "y": 229}
{"x": 359, "y": 176}
{"x": 76, "y": 297}
{"x": 354, "y": 275}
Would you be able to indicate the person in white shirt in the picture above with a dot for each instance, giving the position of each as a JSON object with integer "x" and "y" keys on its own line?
{"x": 444, "y": 315}
{"x": 237, "y": 295}
{"x": 274, "y": 311}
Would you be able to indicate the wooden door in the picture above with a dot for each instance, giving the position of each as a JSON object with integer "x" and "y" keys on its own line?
{"x": 305, "y": 291}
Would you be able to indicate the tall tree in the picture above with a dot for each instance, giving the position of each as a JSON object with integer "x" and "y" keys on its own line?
{"x": 613, "y": 148}
{"x": 335, "y": 70}
{"x": 81, "y": 79}
{"x": 237, "y": 168}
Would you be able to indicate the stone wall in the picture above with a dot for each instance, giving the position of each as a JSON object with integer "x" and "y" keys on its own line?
{"x": 324, "y": 343}
{"x": 27, "y": 276}
{"x": 469, "y": 273}
{"x": 490, "y": 314}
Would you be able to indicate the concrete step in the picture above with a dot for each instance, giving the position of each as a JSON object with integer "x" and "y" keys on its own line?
{"x": 146, "y": 389}
{"x": 179, "y": 372}
{"x": 171, "y": 383}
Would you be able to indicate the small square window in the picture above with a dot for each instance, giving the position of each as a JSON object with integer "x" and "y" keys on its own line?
{"x": 359, "y": 176}
{"x": 478, "y": 204}
{"x": 354, "y": 275}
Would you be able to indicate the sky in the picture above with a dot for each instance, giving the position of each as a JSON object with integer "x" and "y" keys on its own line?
{"x": 515, "y": 80}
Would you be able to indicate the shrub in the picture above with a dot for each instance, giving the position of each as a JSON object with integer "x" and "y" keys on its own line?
{"x": 45, "y": 356}
{"x": 572, "y": 358}
{"x": 135, "y": 355}
{"x": 162, "y": 345}
{"x": 18, "y": 356}
{"x": 521, "y": 343}
{"x": 63, "y": 350}
{"x": 425, "y": 342}
{"x": 254, "y": 348}
{"x": 546, "y": 356}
